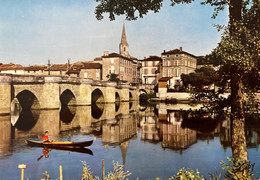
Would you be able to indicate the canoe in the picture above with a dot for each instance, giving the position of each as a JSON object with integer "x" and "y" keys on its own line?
{"x": 68, "y": 144}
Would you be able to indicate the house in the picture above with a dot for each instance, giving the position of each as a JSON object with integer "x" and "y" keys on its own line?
{"x": 35, "y": 70}
{"x": 57, "y": 69}
{"x": 123, "y": 66}
{"x": 176, "y": 62}
{"x": 87, "y": 70}
{"x": 11, "y": 69}
{"x": 149, "y": 69}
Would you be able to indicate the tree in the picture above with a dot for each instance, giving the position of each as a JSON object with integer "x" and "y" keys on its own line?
{"x": 202, "y": 77}
{"x": 239, "y": 50}
{"x": 113, "y": 77}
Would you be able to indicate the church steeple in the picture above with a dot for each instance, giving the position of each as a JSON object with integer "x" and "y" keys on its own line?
{"x": 123, "y": 46}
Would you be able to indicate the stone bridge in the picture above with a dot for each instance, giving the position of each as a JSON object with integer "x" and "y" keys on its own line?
{"x": 55, "y": 92}
{"x": 146, "y": 88}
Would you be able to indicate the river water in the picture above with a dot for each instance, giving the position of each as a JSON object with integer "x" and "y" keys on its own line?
{"x": 150, "y": 142}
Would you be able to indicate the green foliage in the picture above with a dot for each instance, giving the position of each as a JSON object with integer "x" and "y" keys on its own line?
{"x": 128, "y": 7}
{"x": 184, "y": 174}
{"x": 118, "y": 173}
{"x": 87, "y": 173}
{"x": 145, "y": 97}
{"x": 237, "y": 169}
{"x": 113, "y": 77}
{"x": 47, "y": 175}
{"x": 134, "y": 9}
{"x": 204, "y": 76}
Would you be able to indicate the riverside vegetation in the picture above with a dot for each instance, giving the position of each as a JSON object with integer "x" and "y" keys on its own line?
{"x": 231, "y": 170}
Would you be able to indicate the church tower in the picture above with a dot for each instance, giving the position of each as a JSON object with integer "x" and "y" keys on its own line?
{"x": 123, "y": 46}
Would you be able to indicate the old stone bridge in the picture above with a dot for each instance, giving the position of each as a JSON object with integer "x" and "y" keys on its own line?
{"x": 54, "y": 92}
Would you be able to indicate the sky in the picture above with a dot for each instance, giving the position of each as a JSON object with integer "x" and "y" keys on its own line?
{"x": 33, "y": 31}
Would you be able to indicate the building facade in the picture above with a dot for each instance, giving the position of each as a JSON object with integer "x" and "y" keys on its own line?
{"x": 149, "y": 70}
{"x": 176, "y": 62}
{"x": 122, "y": 64}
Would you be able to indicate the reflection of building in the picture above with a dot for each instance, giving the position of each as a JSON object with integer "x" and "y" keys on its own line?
{"x": 116, "y": 132}
{"x": 173, "y": 135}
{"x": 149, "y": 129}
{"x": 119, "y": 132}
{"x": 252, "y": 137}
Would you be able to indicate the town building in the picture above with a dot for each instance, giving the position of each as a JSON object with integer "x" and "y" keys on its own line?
{"x": 87, "y": 70}
{"x": 149, "y": 70}
{"x": 35, "y": 70}
{"x": 11, "y": 69}
{"x": 176, "y": 62}
{"x": 57, "y": 69}
{"x": 122, "y": 64}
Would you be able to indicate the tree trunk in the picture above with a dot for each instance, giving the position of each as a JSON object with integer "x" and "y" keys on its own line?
{"x": 238, "y": 139}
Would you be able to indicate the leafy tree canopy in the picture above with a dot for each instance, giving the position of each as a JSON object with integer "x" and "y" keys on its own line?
{"x": 113, "y": 77}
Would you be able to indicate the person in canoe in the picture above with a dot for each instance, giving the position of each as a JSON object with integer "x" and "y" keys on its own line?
{"x": 45, "y": 138}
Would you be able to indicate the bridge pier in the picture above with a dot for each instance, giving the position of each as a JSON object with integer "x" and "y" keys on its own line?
{"x": 5, "y": 94}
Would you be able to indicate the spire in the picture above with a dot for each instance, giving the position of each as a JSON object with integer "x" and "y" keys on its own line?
{"x": 123, "y": 39}
{"x": 123, "y": 46}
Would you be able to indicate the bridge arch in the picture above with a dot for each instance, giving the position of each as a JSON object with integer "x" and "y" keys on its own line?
{"x": 130, "y": 96}
{"x": 97, "y": 96}
{"x": 28, "y": 100}
{"x": 142, "y": 91}
{"x": 117, "y": 97}
{"x": 67, "y": 98}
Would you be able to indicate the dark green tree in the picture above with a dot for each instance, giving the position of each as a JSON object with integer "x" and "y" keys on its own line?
{"x": 205, "y": 76}
{"x": 113, "y": 77}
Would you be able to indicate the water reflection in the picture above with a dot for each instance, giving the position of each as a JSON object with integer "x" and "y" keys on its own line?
{"x": 118, "y": 124}
{"x": 67, "y": 113}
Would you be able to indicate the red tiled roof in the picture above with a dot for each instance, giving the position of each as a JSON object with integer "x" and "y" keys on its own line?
{"x": 11, "y": 66}
{"x": 35, "y": 68}
{"x": 59, "y": 67}
{"x": 165, "y": 78}
{"x": 91, "y": 66}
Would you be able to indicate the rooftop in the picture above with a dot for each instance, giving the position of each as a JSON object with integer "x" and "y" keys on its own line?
{"x": 177, "y": 51}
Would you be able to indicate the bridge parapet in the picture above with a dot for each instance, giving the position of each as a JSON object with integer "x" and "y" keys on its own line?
{"x": 5, "y": 78}
{"x": 104, "y": 83}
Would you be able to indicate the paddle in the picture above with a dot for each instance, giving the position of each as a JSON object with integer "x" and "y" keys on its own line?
{"x": 39, "y": 158}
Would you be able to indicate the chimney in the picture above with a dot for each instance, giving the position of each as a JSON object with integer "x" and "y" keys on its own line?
{"x": 144, "y": 57}
{"x": 163, "y": 51}
{"x": 180, "y": 49}
{"x": 105, "y": 53}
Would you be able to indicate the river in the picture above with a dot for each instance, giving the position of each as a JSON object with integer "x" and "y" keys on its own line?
{"x": 150, "y": 141}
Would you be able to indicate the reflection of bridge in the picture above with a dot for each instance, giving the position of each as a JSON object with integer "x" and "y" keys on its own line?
{"x": 53, "y": 92}
{"x": 116, "y": 124}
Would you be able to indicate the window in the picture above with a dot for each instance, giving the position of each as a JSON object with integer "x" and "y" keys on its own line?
{"x": 112, "y": 68}
{"x": 85, "y": 75}
{"x": 112, "y": 61}
{"x": 97, "y": 75}
{"x": 145, "y": 71}
{"x": 145, "y": 63}
{"x": 153, "y": 70}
